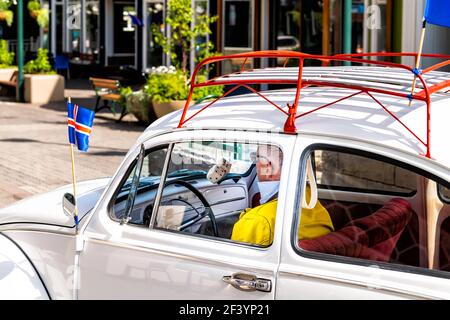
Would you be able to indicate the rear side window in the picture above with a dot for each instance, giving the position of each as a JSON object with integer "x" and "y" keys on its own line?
{"x": 372, "y": 209}
{"x": 337, "y": 170}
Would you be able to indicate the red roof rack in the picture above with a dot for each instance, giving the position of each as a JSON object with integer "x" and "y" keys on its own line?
{"x": 297, "y": 77}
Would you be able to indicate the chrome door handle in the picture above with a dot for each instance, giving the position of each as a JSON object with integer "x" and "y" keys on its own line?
{"x": 248, "y": 282}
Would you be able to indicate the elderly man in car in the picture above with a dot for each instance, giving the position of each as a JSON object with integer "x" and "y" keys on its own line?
{"x": 256, "y": 225}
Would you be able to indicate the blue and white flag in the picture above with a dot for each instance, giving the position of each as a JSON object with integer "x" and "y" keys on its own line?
{"x": 438, "y": 12}
{"x": 80, "y": 122}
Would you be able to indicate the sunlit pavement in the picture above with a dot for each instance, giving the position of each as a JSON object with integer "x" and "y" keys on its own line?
{"x": 34, "y": 150}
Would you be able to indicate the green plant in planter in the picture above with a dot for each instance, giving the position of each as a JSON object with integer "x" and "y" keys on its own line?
{"x": 166, "y": 84}
{"x": 6, "y": 57}
{"x": 40, "y": 65}
{"x": 206, "y": 92}
{"x": 124, "y": 93}
{"x": 6, "y": 14}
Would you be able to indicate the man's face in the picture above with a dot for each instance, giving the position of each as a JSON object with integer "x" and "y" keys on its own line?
{"x": 268, "y": 166}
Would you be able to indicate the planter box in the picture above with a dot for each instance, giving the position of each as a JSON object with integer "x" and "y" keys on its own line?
{"x": 140, "y": 105}
{"x": 163, "y": 108}
{"x": 44, "y": 88}
{"x": 6, "y": 74}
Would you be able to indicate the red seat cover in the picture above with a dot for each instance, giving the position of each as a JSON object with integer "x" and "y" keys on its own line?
{"x": 348, "y": 241}
{"x": 373, "y": 237}
{"x": 386, "y": 223}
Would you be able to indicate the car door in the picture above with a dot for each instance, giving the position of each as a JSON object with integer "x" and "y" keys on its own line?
{"x": 122, "y": 260}
{"x": 339, "y": 264}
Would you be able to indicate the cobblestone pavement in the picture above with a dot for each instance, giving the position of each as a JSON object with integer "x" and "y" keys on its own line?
{"x": 34, "y": 150}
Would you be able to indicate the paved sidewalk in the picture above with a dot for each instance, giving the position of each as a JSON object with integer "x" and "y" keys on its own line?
{"x": 34, "y": 150}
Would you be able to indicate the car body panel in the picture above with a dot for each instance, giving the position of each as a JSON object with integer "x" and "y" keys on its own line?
{"x": 165, "y": 265}
{"x": 53, "y": 255}
{"x": 18, "y": 277}
{"x": 30, "y": 210}
{"x": 303, "y": 276}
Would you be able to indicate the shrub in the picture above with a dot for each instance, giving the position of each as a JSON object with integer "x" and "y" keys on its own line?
{"x": 124, "y": 93}
{"x": 202, "y": 92}
{"x": 40, "y": 64}
{"x": 166, "y": 84}
{"x": 6, "y": 57}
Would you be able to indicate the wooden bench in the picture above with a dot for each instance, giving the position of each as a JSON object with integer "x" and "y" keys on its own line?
{"x": 11, "y": 83}
{"x": 108, "y": 91}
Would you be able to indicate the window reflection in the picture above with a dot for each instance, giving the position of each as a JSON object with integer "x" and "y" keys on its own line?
{"x": 155, "y": 15}
{"x": 92, "y": 27}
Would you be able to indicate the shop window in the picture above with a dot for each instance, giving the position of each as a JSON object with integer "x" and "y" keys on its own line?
{"x": 238, "y": 31}
{"x": 155, "y": 15}
{"x": 73, "y": 25}
{"x": 92, "y": 27}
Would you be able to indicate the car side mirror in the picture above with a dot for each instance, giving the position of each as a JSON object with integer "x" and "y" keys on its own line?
{"x": 68, "y": 204}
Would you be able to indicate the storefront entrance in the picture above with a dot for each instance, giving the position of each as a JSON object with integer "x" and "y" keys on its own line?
{"x": 123, "y": 36}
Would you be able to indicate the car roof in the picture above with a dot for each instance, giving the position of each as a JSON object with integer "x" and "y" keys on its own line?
{"x": 359, "y": 117}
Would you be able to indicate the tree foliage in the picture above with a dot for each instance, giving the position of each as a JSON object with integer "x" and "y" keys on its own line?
{"x": 179, "y": 18}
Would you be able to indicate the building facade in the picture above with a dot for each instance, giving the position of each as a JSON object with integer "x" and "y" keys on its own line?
{"x": 118, "y": 32}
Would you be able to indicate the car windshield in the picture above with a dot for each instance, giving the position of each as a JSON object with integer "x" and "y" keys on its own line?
{"x": 185, "y": 173}
{"x": 143, "y": 182}
{"x": 198, "y": 157}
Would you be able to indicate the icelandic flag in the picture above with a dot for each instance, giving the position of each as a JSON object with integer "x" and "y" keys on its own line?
{"x": 80, "y": 122}
{"x": 438, "y": 12}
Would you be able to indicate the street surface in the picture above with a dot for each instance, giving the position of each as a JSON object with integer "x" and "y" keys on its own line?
{"x": 34, "y": 149}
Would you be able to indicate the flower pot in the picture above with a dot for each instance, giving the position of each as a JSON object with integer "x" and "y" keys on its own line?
{"x": 141, "y": 107}
{"x": 3, "y": 15}
{"x": 44, "y": 88}
{"x": 163, "y": 108}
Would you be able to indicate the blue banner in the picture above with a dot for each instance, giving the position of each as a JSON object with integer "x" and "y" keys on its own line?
{"x": 438, "y": 12}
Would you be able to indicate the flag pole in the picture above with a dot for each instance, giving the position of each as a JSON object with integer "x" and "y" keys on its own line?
{"x": 419, "y": 56}
{"x": 74, "y": 181}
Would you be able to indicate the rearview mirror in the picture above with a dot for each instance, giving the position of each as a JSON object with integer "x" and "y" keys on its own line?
{"x": 68, "y": 204}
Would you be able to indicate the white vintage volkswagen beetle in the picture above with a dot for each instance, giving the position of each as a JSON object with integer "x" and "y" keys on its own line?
{"x": 161, "y": 227}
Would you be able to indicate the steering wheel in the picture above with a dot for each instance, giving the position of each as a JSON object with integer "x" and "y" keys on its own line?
{"x": 208, "y": 211}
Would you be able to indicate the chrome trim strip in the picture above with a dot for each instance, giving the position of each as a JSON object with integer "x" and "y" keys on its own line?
{"x": 358, "y": 284}
{"x": 42, "y": 228}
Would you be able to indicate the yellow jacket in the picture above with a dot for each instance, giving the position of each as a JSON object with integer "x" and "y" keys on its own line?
{"x": 256, "y": 225}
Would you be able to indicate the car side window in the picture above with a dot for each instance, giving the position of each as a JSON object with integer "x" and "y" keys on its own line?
{"x": 211, "y": 187}
{"x": 373, "y": 209}
{"x": 149, "y": 178}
